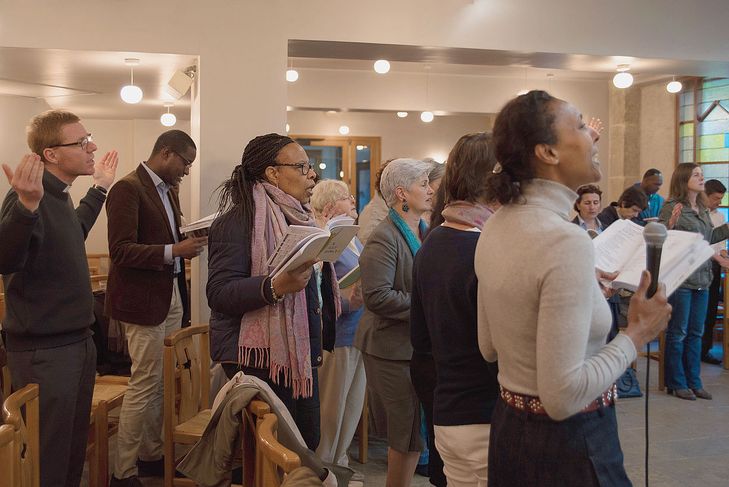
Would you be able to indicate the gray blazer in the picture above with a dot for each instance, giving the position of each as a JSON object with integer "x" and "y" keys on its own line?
{"x": 387, "y": 276}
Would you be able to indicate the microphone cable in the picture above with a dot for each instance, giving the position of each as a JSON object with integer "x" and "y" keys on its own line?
{"x": 647, "y": 389}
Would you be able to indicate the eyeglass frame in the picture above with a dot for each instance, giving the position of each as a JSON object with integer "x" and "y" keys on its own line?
{"x": 83, "y": 143}
{"x": 300, "y": 165}
{"x": 187, "y": 162}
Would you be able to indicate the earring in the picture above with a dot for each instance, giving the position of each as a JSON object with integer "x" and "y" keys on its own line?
{"x": 405, "y": 207}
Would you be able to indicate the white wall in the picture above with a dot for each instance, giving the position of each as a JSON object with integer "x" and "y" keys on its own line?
{"x": 15, "y": 113}
{"x": 400, "y": 137}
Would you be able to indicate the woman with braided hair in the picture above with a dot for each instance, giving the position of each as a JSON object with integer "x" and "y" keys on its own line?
{"x": 271, "y": 328}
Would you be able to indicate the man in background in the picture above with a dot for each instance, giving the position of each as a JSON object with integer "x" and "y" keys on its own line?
{"x": 650, "y": 184}
{"x": 147, "y": 293}
{"x": 715, "y": 192}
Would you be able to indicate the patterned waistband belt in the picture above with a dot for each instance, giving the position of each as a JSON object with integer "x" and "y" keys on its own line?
{"x": 533, "y": 405}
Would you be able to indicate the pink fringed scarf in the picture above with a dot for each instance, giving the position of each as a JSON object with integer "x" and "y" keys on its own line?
{"x": 279, "y": 335}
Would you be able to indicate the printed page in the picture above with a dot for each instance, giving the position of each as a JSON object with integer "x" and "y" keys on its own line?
{"x": 679, "y": 250}
{"x": 307, "y": 252}
{"x": 294, "y": 239}
{"x": 616, "y": 245}
{"x": 341, "y": 236}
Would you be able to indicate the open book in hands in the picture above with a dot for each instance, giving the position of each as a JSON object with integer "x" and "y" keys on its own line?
{"x": 199, "y": 228}
{"x": 303, "y": 244}
{"x": 621, "y": 248}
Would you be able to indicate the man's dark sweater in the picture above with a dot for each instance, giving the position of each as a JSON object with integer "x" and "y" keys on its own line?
{"x": 443, "y": 321}
{"x": 44, "y": 267}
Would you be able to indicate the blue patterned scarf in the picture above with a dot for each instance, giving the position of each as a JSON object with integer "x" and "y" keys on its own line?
{"x": 412, "y": 241}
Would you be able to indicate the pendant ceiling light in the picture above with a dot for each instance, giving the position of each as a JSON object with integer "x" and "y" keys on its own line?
{"x": 168, "y": 119}
{"x": 131, "y": 93}
{"x": 674, "y": 86}
{"x": 623, "y": 79}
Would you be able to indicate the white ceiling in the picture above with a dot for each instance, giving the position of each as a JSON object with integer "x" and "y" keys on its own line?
{"x": 88, "y": 82}
{"x": 491, "y": 63}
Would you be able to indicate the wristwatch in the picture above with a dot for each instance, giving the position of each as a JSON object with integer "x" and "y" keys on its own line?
{"x": 100, "y": 188}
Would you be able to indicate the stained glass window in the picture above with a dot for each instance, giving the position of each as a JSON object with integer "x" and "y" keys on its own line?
{"x": 703, "y": 128}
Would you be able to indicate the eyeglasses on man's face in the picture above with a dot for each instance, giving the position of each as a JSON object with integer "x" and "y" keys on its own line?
{"x": 83, "y": 143}
{"x": 185, "y": 160}
{"x": 304, "y": 167}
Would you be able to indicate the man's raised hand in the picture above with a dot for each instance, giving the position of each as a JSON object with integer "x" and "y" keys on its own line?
{"x": 105, "y": 169}
{"x": 27, "y": 180}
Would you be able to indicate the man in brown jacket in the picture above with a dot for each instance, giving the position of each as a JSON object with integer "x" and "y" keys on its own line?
{"x": 146, "y": 291}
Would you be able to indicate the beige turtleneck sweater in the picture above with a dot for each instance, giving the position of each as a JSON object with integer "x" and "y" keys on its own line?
{"x": 541, "y": 312}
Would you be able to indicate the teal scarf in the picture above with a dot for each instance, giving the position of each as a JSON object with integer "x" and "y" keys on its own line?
{"x": 411, "y": 239}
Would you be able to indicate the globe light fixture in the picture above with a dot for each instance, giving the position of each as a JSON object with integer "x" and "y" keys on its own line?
{"x": 343, "y": 129}
{"x": 674, "y": 86}
{"x": 402, "y": 114}
{"x": 427, "y": 117}
{"x": 168, "y": 119}
{"x": 131, "y": 93}
{"x": 382, "y": 66}
{"x": 623, "y": 79}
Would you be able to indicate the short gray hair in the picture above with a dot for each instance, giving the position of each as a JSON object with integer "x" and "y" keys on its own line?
{"x": 400, "y": 173}
{"x": 327, "y": 191}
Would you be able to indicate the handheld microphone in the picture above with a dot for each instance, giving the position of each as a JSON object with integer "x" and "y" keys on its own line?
{"x": 654, "y": 235}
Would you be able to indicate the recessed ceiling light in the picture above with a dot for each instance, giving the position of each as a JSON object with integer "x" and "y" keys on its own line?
{"x": 382, "y": 66}
{"x": 344, "y": 130}
{"x": 292, "y": 75}
{"x": 402, "y": 114}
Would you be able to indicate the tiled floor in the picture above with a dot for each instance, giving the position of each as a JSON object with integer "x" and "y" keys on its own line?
{"x": 689, "y": 439}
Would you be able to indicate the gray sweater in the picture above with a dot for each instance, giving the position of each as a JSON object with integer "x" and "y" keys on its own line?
{"x": 44, "y": 267}
{"x": 540, "y": 308}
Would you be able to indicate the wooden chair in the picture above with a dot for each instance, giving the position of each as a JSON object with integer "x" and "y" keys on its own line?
{"x": 26, "y": 441}
{"x": 658, "y": 356}
{"x": 188, "y": 364}
{"x": 98, "y": 282}
{"x": 7, "y": 459}
{"x": 252, "y": 418}
{"x": 109, "y": 393}
{"x": 276, "y": 459}
{"x": 98, "y": 262}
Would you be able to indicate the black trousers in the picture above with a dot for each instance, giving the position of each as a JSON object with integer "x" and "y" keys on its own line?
{"x": 530, "y": 449}
{"x": 65, "y": 376}
{"x": 422, "y": 374}
{"x": 305, "y": 411}
{"x": 707, "y": 340}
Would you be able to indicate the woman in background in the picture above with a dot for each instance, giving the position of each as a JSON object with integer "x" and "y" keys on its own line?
{"x": 383, "y": 335}
{"x": 686, "y": 210}
{"x": 587, "y": 206}
{"x": 342, "y": 376}
{"x": 457, "y": 387}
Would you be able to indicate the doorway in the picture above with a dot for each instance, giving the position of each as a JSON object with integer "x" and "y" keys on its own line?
{"x": 354, "y": 160}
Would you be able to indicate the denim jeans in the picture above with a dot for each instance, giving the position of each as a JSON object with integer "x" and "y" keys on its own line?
{"x": 683, "y": 338}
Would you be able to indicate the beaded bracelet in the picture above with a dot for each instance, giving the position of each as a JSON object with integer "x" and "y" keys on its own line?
{"x": 276, "y": 298}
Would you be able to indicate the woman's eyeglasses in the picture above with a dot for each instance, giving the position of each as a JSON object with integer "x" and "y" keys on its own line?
{"x": 304, "y": 167}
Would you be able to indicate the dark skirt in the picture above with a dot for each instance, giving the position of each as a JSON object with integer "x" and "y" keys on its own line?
{"x": 533, "y": 450}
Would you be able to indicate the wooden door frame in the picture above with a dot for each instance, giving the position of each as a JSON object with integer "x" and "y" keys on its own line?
{"x": 348, "y": 143}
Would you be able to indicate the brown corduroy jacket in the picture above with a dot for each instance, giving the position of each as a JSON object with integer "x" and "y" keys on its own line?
{"x": 139, "y": 289}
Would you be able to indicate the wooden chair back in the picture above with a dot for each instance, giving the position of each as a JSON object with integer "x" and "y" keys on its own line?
{"x": 26, "y": 443}
{"x": 98, "y": 263}
{"x": 187, "y": 358}
{"x": 277, "y": 460}
{"x": 252, "y": 416}
{"x": 98, "y": 282}
{"x": 7, "y": 459}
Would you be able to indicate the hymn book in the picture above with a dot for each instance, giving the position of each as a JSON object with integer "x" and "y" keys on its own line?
{"x": 621, "y": 248}
{"x": 303, "y": 244}
{"x": 199, "y": 228}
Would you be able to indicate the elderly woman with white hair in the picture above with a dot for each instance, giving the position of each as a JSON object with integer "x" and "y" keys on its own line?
{"x": 342, "y": 376}
{"x": 383, "y": 335}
